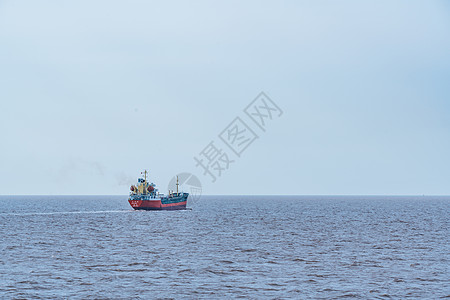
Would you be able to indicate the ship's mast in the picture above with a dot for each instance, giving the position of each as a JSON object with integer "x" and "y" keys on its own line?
{"x": 145, "y": 175}
{"x": 144, "y": 185}
{"x": 177, "y": 185}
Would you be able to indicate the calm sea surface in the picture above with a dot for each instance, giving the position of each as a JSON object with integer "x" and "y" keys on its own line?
{"x": 225, "y": 247}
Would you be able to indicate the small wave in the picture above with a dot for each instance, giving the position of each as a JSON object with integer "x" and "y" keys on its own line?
{"x": 249, "y": 250}
{"x": 226, "y": 261}
{"x": 129, "y": 270}
{"x": 426, "y": 279}
{"x": 28, "y": 282}
{"x": 238, "y": 270}
{"x": 312, "y": 261}
{"x": 217, "y": 272}
{"x": 269, "y": 289}
{"x": 329, "y": 290}
{"x": 321, "y": 275}
{"x": 298, "y": 259}
{"x": 184, "y": 271}
{"x": 274, "y": 284}
{"x": 349, "y": 295}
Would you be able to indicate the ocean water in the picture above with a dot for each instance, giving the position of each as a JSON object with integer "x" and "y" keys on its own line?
{"x": 281, "y": 247}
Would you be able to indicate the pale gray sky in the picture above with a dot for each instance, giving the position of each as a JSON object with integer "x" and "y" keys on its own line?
{"x": 92, "y": 92}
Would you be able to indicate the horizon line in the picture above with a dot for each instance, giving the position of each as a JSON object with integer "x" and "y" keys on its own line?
{"x": 256, "y": 195}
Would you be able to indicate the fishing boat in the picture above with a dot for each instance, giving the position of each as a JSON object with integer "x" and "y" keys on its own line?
{"x": 145, "y": 196}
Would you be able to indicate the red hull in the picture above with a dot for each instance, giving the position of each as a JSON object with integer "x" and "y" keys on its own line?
{"x": 156, "y": 205}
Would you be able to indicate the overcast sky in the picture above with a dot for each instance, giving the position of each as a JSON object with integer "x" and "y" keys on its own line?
{"x": 93, "y": 92}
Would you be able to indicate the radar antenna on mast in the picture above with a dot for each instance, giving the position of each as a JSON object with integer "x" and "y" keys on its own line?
{"x": 145, "y": 175}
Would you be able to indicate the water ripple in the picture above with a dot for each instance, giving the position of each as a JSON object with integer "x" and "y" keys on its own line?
{"x": 225, "y": 247}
